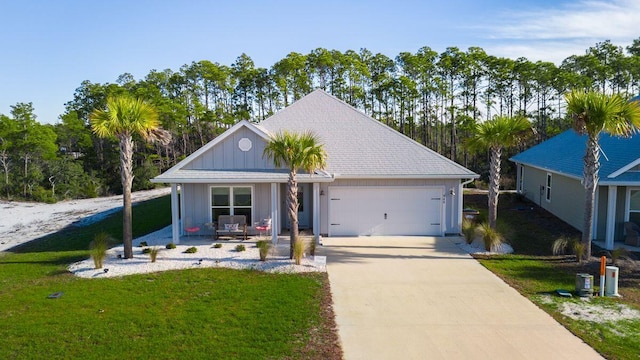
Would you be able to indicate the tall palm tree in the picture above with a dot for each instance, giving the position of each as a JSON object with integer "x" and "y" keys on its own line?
{"x": 123, "y": 118}
{"x": 593, "y": 113}
{"x": 495, "y": 135}
{"x": 295, "y": 151}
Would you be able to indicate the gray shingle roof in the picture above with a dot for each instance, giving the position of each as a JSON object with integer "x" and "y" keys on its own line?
{"x": 360, "y": 146}
{"x": 564, "y": 154}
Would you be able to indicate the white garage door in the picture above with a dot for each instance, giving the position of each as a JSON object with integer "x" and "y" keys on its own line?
{"x": 381, "y": 210}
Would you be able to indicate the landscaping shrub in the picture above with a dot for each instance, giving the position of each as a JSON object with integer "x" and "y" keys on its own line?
{"x": 312, "y": 246}
{"x": 146, "y": 250}
{"x": 298, "y": 251}
{"x": 191, "y": 250}
{"x": 143, "y": 244}
{"x": 153, "y": 254}
{"x": 468, "y": 230}
{"x": 217, "y": 246}
{"x": 617, "y": 254}
{"x": 263, "y": 247}
{"x": 564, "y": 245}
{"x": 171, "y": 246}
{"x": 491, "y": 237}
{"x": 240, "y": 248}
{"x": 98, "y": 248}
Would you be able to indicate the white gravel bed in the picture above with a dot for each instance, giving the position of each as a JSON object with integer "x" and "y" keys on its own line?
{"x": 176, "y": 259}
{"x": 477, "y": 247}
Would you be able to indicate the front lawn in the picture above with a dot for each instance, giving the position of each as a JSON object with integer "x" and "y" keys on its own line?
{"x": 208, "y": 313}
{"x": 535, "y": 273}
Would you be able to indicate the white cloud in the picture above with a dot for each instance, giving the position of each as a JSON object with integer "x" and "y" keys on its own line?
{"x": 553, "y": 34}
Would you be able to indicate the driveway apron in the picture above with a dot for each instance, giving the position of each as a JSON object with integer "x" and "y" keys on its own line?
{"x": 424, "y": 298}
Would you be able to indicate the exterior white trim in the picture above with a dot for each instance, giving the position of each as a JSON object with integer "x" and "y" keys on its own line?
{"x": 611, "y": 217}
{"x": 624, "y": 169}
{"x": 175, "y": 220}
{"x": 231, "y": 186}
{"x": 316, "y": 212}
{"x": 548, "y": 187}
{"x": 275, "y": 219}
{"x": 422, "y": 176}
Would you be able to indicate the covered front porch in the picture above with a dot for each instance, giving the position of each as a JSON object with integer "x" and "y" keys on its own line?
{"x": 195, "y": 208}
{"x": 614, "y": 206}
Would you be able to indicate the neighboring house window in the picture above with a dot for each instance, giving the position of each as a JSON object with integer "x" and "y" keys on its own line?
{"x": 634, "y": 205}
{"x": 232, "y": 200}
{"x": 548, "y": 188}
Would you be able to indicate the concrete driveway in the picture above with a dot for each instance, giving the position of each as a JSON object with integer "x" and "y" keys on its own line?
{"x": 423, "y": 298}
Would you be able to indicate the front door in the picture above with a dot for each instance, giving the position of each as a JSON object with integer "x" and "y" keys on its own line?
{"x": 304, "y": 207}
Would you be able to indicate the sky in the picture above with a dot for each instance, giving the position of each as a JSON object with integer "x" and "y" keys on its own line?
{"x": 47, "y": 48}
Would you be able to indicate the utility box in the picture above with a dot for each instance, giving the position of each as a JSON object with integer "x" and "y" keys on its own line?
{"x": 584, "y": 284}
{"x": 611, "y": 281}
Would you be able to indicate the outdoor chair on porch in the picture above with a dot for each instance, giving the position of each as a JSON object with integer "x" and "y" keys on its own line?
{"x": 264, "y": 227}
{"x": 232, "y": 226}
{"x": 632, "y": 234}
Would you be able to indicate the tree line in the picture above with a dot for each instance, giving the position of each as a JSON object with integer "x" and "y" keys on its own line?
{"x": 435, "y": 98}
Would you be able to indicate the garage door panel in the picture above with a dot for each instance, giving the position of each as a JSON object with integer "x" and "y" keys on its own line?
{"x": 384, "y": 211}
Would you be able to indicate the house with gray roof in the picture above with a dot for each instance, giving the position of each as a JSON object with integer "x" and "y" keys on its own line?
{"x": 376, "y": 182}
{"x": 550, "y": 174}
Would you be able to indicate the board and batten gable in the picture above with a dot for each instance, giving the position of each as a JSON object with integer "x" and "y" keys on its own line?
{"x": 228, "y": 155}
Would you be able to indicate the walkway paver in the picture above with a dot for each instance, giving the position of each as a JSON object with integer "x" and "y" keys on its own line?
{"x": 424, "y": 298}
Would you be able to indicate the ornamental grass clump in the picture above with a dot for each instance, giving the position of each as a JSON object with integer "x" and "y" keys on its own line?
{"x": 312, "y": 247}
{"x": 98, "y": 248}
{"x": 468, "y": 231}
{"x": 153, "y": 253}
{"x": 263, "y": 248}
{"x": 298, "y": 251}
{"x": 491, "y": 237}
{"x": 565, "y": 245}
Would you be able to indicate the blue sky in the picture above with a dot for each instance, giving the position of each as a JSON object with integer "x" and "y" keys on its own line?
{"x": 47, "y": 48}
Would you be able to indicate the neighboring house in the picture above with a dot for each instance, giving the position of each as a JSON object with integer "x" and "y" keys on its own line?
{"x": 376, "y": 182}
{"x": 550, "y": 174}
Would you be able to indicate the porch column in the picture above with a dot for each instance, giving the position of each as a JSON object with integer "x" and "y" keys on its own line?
{"x": 181, "y": 211}
{"x": 175, "y": 215}
{"x": 611, "y": 217}
{"x": 275, "y": 220}
{"x": 316, "y": 212}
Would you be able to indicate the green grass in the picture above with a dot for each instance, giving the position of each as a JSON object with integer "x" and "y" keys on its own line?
{"x": 536, "y": 274}
{"x": 200, "y": 313}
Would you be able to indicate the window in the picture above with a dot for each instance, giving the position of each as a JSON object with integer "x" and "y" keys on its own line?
{"x": 548, "y": 188}
{"x": 634, "y": 205}
{"x": 232, "y": 200}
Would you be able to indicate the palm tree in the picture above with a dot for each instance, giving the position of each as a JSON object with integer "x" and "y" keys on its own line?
{"x": 123, "y": 118}
{"x": 295, "y": 151}
{"x": 495, "y": 135}
{"x": 593, "y": 113}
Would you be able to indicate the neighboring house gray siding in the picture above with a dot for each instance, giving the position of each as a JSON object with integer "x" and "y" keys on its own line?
{"x": 567, "y": 195}
{"x": 226, "y": 154}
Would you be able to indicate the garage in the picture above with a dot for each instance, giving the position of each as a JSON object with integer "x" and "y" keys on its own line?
{"x": 385, "y": 210}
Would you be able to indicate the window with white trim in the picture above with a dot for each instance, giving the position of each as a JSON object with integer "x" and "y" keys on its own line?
{"x": 232, "y": 200}
{"x": 633, "y": 201}
{"x": 548, "y": 188}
